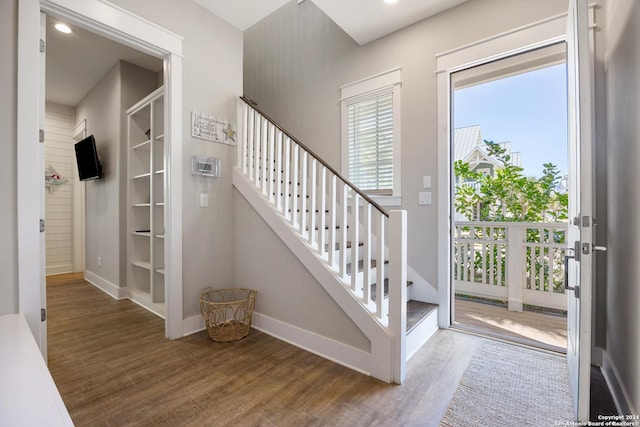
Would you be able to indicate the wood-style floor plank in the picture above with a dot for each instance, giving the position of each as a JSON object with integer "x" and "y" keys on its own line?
{"x": 114, "y": 367}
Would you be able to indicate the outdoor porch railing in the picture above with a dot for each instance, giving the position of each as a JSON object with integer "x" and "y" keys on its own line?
{"x": 517, "y": 262}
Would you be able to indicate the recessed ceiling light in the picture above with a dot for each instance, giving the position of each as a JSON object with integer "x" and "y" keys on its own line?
{"x": 63, "y": 28}
{"x": 390, "y": 1}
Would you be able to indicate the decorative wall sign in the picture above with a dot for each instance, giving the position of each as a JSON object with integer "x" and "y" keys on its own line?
{"x": 207, "y": 127}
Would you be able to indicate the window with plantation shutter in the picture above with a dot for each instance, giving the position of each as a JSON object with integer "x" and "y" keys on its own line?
{"x": 370, "y": 163}
{"x": 371, "y": 135}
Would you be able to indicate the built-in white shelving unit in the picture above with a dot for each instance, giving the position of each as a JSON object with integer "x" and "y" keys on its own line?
{"x": 146, "y": 195}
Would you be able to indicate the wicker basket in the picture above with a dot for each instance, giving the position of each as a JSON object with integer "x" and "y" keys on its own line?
{"x": 227, "y": 312}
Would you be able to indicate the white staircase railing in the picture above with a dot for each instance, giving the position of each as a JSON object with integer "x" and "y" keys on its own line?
{"x": 357, "y": 240}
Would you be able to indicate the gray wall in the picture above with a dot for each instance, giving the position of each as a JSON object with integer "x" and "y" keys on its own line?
{"x": 296, "y": 60}
{"x": 101, "y": 108}
{"x": 104, "y": 108}
{"x": 135, "y": 84}
{"x": 8, "y": 155}
{"x": 212, "y": 81}
{"x": 286, "y": 290}
{"x": 623, "y": 141}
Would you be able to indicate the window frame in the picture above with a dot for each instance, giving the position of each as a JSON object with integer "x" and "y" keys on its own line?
{"x": 379, "y": 84}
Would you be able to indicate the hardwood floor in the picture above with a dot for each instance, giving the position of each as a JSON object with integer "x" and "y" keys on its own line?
{"x": 114, "y": 367}
{"x": 548, "y": 331}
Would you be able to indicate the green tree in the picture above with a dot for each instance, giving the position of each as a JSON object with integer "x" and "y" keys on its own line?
{"x": 508, "y": 195}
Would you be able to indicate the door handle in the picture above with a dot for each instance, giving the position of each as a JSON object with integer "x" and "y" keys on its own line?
{"x": 595, "y": 248}
{"x": 576, "y": 289}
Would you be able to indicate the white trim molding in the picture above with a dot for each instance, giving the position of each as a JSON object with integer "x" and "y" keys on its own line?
{"x": 536, "y": 35}
{"x": 360, "y": 90}
{"x": 106, "y": 286}
{"x": 116, "y": 23}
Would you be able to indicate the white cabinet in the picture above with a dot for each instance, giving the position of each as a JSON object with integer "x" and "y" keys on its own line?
{"x": 145, "y": 207}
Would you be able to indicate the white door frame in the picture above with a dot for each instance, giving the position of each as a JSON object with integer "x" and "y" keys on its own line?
{"x": 118, "y": 24}
{"x": 533, "y": 36}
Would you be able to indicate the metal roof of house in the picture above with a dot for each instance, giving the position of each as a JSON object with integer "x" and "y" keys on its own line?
{"x": 467, "y": 139}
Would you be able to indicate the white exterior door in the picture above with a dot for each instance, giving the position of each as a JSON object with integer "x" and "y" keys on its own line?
{"x": 578, "y": 279}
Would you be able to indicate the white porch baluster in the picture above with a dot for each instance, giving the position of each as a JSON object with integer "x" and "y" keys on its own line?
{"x": 515, "y": 272}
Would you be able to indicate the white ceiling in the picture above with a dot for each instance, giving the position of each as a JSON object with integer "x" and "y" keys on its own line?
{"x": 77, "y": 61}
{"x": 242, "y": 13}
{"x": 363, "y": 20}
{"x": 368, "y": 20}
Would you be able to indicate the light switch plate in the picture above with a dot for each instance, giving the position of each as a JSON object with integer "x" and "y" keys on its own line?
{"x": 426, "y": 181}
{"x": 204, "y": 200}
{"x": 424, "y": 198}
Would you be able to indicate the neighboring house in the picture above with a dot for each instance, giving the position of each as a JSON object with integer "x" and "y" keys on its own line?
{"x": 293, "y": 64}
{"x": 469, "y": 147}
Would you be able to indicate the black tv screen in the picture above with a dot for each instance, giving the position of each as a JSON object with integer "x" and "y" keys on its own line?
{"x": 87, "y": 158}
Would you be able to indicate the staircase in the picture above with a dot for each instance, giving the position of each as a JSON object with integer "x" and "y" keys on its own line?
{"x": 346, "y": 240}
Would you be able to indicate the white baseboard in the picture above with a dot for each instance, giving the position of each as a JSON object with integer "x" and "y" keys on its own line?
{"x": 616, "y": 387}
{"x": 59, "y": 269}
{"x": 104, "y": 285}
{"x": 337, "y": 352}
{"x": 192, "y": 325}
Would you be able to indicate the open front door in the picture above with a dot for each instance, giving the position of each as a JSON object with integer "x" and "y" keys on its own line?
{"x": 579, "y": 257}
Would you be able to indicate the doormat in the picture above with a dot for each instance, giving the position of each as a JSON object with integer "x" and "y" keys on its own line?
{"x": 508, "y": 385}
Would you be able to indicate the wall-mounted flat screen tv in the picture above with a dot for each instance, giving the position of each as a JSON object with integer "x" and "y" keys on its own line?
{"x": 89, "y": 166}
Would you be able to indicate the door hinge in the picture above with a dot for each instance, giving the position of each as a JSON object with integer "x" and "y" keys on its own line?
{"x": 42, "y": 225}
{"x": 41, "y": 135}
{"x": 43, "y": 46}
{"x": 43, "y": 314}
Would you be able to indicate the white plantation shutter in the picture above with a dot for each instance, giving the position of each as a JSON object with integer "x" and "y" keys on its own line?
{"x": 370, "y": 143}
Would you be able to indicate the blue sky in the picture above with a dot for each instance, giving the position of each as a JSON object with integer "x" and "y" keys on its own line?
{"x": 529, "y": 110}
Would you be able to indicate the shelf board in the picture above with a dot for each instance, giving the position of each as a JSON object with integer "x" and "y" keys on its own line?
{"x": 143, "y": 298}
{"x": 160, "y": 204}
{"x": 160, "y": 270}
{"x": 160, "y": 137}
{"x": 142, "y": 233}
{"x": 142, "y": 146}
{"x": 159, "y": 236}
{"x": 141, "y": 205}
{"x": 142, "y": 264}
{"x": 160, "y": 172}
{"x": 142, "y": 175}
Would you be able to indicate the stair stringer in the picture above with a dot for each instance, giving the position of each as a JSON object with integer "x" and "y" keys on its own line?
{"x": 379, "y": 362}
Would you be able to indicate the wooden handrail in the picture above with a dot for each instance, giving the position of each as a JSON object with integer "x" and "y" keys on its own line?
{"x": 252, "y": 104}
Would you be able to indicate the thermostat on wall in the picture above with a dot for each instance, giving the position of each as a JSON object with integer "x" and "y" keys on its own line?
{"x": 205, "y": 166}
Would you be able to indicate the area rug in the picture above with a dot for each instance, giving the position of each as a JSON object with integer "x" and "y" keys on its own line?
{"x": 508, "y": 385}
